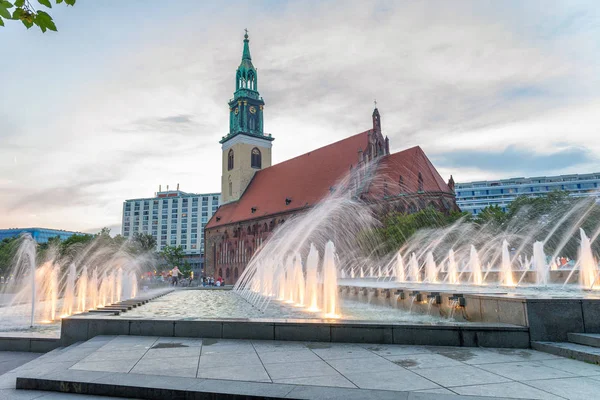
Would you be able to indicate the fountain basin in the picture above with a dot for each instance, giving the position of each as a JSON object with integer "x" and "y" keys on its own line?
{"x": 550, "y": 313}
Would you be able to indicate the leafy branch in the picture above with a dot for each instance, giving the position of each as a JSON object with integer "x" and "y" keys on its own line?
{"x": 23, "y": 10}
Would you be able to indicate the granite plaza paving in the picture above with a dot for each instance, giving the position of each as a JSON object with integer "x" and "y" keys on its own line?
{"x": 155, "y": 367}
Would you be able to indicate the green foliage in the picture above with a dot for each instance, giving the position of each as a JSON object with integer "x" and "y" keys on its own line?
{"x": 186, "y": 269}
{"x": 8, "y": 249}
{"x": 74, "y": 240}
{"x": 24, "y": 11}
{"x": 144, "y": 242}
{"x": 399, "y": 227}
{"x": 491, "y": 215}
{"x": 173, "y": 256}
{"x": 533, "y": 208}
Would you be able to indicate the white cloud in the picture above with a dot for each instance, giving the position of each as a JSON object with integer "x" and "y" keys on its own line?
{"x": 447, "y": 75}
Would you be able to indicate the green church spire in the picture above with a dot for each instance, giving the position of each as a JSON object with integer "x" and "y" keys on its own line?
{"x": 246, "y": 107}
{"x": 246, "y": 53}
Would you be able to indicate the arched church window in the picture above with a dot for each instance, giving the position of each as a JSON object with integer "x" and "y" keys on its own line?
{"x": 256, "y": 158}
{"x": 420, "y": 182}
{"x": 252, "y": 123}
{"x": 230, "y": 160}
{"x": 401, "y": 184}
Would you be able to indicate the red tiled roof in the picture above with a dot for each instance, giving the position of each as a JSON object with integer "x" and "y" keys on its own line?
{"x": 305, "y": 180}
{"x": 408, "y": 163}
{"x": 308, "y": 178}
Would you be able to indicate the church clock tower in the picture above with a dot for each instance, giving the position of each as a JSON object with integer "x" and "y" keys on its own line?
{"x": 246, "y": 148}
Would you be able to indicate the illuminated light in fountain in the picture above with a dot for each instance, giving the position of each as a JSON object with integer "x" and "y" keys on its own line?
{"x": 119, "y": 285}
{"x": 312, "y": 283}
{"x": 475, "y": 266}
{"x": 362, "y": 272}
{"x": 413, "y": 268}
{"x": 298, "y": 277}
{"x": 94, "y": 289}
{"x": 588, "y": 266}
{"x": 539, "y": 264}
{"x": 430, "y": 269}
{"x": 506, "y": 274}
{"x": 452, "y": 269}
{"x": 69, "y": 293}
{"x": 82, "y": 288}
{"x": 400, "y": 277}
{"x": 330, "y": 290}
{"x": 61, "y": 285}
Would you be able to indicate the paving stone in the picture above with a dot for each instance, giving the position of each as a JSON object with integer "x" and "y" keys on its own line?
{"x": 222, "y": 347}
{"x": 398, "y": 379}
{"x": 172, "y": 352}
{"x": 114, "y": 355}
{"x": 265, "y": 346}
{"x": 336, "y": 352}
{"x": 525, "y": 371}
{"x": 578, "y": 368}
{"x": 570, "y": 388}
{"x": 184, "y": 341}
{"x": 288, "y": 356}
{"x": 435, "y": 391}
{"x": 423, "y": 361}
{"x": 255, "y": 373}
{"x": 300, "y": 370}
{"x": 180, "y": 366}
{"x": 220, "y": 359}
{"x": 515, "y": 390}
{"x": 329, "y": 380}
{"x": 396, "y": 350}
{"x": 475, "y": 356}
{"x": 459, "y": 376}
{"x": 14, "y": 394}
{"x": 107, "y": 366}
{"x": 358, "y": 365}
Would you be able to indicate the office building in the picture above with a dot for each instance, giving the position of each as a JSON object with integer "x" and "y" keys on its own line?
{"x": 40, "y": 235}
{"x": 173, "y": 218}
{"x": 475, "y": 196}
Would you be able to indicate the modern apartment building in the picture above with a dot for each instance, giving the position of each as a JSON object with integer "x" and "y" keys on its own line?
{"x": 475, "y": 196}
{"x": 173, "y": 218}
{"x": 40, "y": 235}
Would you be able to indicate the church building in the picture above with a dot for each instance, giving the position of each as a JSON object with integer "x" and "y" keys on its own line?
{"x": 257, "y": 196}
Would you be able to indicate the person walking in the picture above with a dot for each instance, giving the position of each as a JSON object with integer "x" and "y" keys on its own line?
{"x": 175, "y": 272}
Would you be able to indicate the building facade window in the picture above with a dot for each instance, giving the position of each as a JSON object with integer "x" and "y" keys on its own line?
{"x": 230, "y": 160}
{"x": 420, "y": 182}
{"x": 256, "y": 158}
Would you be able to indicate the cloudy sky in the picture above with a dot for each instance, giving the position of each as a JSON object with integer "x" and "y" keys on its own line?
{"x": 130, "y": 95}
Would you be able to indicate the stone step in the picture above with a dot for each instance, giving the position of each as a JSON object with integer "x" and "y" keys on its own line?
{"x": 107, "y": 312}
{"x": 569, "y": 350}
{"x": 587, "y": 339}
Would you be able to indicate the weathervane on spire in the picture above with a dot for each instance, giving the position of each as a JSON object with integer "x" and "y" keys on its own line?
{"x": 375, "y": 102}
{"x": 246, "y": 35}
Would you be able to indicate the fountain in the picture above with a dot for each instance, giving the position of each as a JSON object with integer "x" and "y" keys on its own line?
{"x": 59, "y": 286}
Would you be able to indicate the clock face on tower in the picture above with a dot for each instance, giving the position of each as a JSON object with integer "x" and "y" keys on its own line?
{"x": 252, "y": 110}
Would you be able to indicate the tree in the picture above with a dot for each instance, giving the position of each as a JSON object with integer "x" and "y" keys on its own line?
{"x": 172, "y": 255}
{"x": 144, "y": 242}
{"x": 8, "y": 249}
{"x": 399, "y": 227}
{"x": 492, "y": 215}
{"x": 23, "y": 10}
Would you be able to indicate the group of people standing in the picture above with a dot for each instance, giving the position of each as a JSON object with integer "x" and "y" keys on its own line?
{"x": 175, "y": 273}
